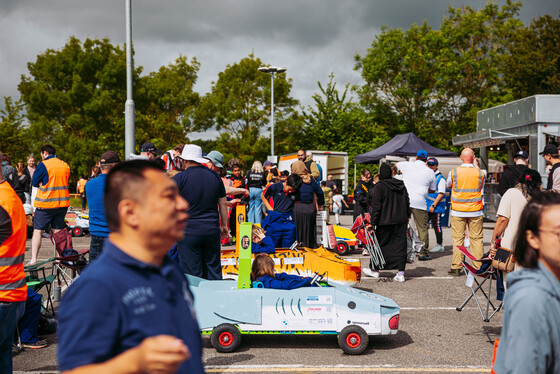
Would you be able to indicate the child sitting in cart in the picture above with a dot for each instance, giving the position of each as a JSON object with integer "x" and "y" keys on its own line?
{"x": 261, "y": 242}
{"x": 263, "y": 271}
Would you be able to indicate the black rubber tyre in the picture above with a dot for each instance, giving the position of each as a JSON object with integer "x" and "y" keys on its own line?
{"x": 77, "y": 231}
{"x": 342, "y": 248}
{"x": 225, "y": 338}
{"x": 353, "y": 340}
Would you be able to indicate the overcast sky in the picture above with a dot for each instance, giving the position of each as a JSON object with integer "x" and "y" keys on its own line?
{"x": 312, "y": 38}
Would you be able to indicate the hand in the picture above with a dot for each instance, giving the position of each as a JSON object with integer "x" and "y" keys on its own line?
{"x": 224, "y": 231}
{"x": 162, "y": 354}
{"x": 431, "y": 210}
{"x": 246, "y": 193}
{"x": 492, "y": 252}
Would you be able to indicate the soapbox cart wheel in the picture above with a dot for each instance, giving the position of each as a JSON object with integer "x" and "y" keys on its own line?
{"x": 225, "y": 338}
{"x": 353, "y": 340}
{"x": 77, "y": 231}
{"x": 342, "y": 248}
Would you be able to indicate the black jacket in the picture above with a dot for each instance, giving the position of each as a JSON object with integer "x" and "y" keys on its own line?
{"x": 510, "y": 178}
{"x": 389, "y": 203}
{"x": 362, "y": 197}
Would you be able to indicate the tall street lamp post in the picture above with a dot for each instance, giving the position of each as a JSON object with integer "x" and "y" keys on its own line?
{"x": 129, "y": 127}
{"x": 272, "y": 70}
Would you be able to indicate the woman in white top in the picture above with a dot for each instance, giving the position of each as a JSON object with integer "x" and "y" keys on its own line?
{"x": 338, "y": 200}
{"x": 511, "y": 206}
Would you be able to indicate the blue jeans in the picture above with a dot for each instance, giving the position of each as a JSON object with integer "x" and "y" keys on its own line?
{"x": 255, "y": 205}
{"x": 200, "y": 255}
{"x": 10, "y": 313}
{"x": 96, "y": 246}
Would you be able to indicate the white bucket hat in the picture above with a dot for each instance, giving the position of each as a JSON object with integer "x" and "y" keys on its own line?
{"x": 193, "y": 152}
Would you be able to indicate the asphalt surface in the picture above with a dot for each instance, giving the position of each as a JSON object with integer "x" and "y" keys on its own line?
{"x": 433, "y": 337}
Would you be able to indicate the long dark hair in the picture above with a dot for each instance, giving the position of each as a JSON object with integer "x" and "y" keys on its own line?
{"x": 530, "y": 220}
{"x": 531, "y": 181}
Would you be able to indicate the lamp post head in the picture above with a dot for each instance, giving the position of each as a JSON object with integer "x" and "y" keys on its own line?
{"x": 272, "y": 69}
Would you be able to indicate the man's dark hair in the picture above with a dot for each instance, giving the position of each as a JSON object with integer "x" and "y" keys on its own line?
{"x": 526, "y": 255}
{"x": 422, "y": 158}
{"x": 284, "y": 173}
{"x": 125, "y": 181}
{"x": 294, "y": 181}
{"x": 366, "y": 172}
{"x": 235, "y": 166}
{"x": 323, "y": 183}
{"x": 49, "y": 149}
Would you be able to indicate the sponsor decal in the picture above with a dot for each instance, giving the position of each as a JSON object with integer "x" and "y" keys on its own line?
{"x": 358, "y": 323}
{"x": 293, "y": 261}
{"x": 229, "y": 261}
{"x": 245, "y": 242}
{"x": 319, "y": 299}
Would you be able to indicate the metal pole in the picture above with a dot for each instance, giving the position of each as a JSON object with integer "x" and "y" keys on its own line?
{"x": 272, "y": 115}
{"x": 129, "y": 128}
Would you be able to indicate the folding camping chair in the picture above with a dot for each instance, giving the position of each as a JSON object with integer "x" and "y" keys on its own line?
{"x": 486, "y": 273}
{"x": 367, "y": 236}
{"x": 69, "y": 262}
{"x": 37, "y": 279}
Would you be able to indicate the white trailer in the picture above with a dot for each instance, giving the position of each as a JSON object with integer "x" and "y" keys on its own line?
{"x": 332, "y": 163}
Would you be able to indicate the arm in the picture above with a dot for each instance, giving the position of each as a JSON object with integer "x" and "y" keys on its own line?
{"x": 265, "y": 246}
{"x": 285, "y": 281}
{"x": 265, "y": 202}
{"x": 236, "y": 191}
{"x": 222, "y": 207}
{"x": 499, "y": 229}
{"x": 436, "y": 202}
{"x": 41, "y": 176}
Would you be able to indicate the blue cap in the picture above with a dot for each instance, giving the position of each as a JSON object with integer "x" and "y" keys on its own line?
{"x": 421, "y": 153}
{"x": 432, "y": 161}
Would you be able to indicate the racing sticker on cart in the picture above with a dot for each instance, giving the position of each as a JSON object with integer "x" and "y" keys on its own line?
{"x": 319, "y": 299}
{"x": 229, "y": 261}
{"x": 293, "y": 261}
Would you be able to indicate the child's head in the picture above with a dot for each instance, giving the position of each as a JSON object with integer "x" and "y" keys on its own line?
{"x": 262, "y": 265}
{"x": 258, "y": 234}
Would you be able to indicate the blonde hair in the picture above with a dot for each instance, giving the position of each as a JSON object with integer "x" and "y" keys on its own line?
{"x": 262, "y": 265}
{"x": 257, "y": 167}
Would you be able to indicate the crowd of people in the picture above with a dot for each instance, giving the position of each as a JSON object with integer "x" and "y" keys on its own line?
{"x": 141, "y": 208}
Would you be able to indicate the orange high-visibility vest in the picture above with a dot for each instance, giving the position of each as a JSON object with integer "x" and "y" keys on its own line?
{"x": 12, "y": 252}
{"x": 55, "y": 193}
{"x": 466, "y": 191}
{"x": 82, "y": 185}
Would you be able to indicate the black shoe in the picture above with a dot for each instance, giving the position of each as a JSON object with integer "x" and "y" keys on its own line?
{"x": 424, "y": 258}
{"x": 36, "y": 345}
{"x": 454, "y": 272}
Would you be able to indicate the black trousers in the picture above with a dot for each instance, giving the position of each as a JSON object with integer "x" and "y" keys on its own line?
{"x": 305, "y": 217}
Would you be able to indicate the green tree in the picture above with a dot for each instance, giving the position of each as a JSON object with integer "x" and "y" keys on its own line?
{"x": 532, "y": 65}
{"x": 13, "y": 134}
{"x": 336, "y": 123}
{"x": 74, "y": 99}
{"x": 238, "y": 106}
{"x": 432, "y": 82}
{"x": 166, "y": 102}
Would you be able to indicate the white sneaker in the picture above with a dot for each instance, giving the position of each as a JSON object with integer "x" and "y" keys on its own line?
{"x": 398, "y": 278}
{"x": 437, "y": 249}
{"x": 365, "y": 252}
{"x": 370, "y": 273}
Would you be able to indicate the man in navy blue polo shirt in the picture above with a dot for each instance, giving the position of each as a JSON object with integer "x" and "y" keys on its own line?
{"x": 200, "y": 249}
{"x": 131, "y": 310}
{"x": 279, "y": 222}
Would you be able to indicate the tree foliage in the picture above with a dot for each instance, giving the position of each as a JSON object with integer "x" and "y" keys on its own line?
{"x": 238, "y": 106}
{"x": 532, "y": 65}
{"x": 13, "y": 134}
{"x": 432, "y": 82}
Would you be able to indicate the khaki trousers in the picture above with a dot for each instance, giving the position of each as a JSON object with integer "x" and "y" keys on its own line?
{"x": 458, "y": 227}
{"x": 422, "y": 225}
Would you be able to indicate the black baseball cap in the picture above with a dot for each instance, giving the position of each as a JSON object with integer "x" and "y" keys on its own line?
{"x": 522, "y": 154}
{"x": 149, "y": 147}
{"x": 549, "y": 149}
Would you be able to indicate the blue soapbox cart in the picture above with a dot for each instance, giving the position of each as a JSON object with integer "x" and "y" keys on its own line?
{"x": 228, "y": 309}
